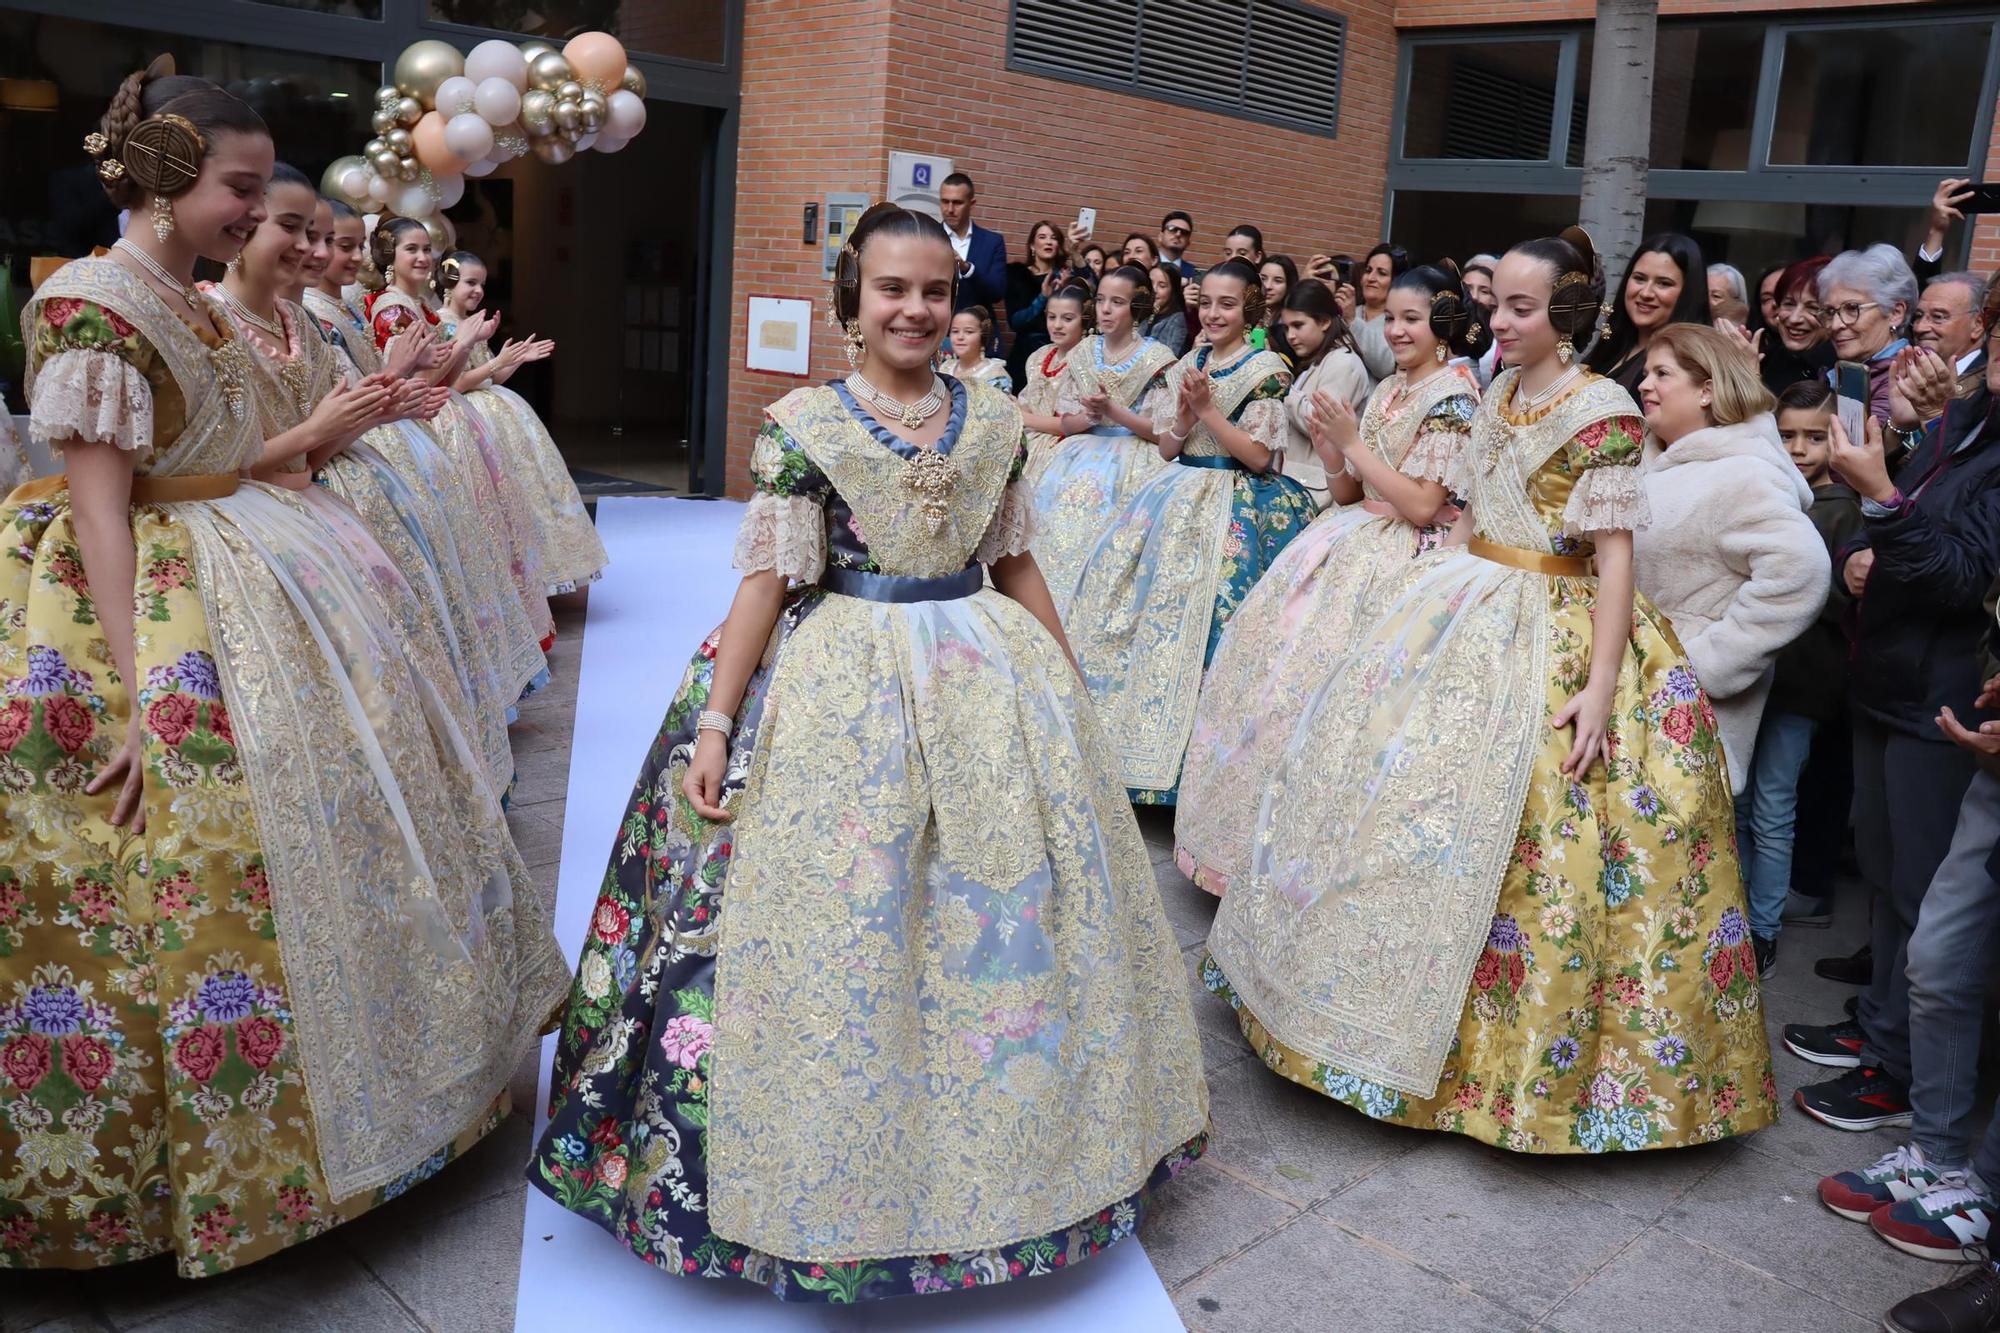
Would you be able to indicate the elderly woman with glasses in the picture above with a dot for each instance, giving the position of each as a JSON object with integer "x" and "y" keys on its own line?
{"x": 1866, "y": 298}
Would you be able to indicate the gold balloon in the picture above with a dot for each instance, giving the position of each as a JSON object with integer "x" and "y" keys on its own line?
{"x": 399, "y": 142}
{"x": 383, "y": 120}
{"x": 570, "y": 91}
{"x": 594, "y": 114}
{"x": 386, "y": 97}
{"x": 568, "y": 117}
{"x": 634, "y": 81}
{"x": 548, "y": 71}
{"x": 373, "y": 146}
{"x": 423, "y": 66}
{"x": 440, "y": 240}
{"x": 408, "y": 111}
{"x": 554, "y": 150}
{"x": 409, "y": 169}
{"x": 529, "y": 50}
{"x": 385, "y": 161}
{"x": 537, "y": 113}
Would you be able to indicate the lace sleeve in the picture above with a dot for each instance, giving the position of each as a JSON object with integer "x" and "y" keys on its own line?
{"x": 1609, "y": 494}
{"x": 95, "y": 396}
{"x": 1013, "y": 525}
{"x": 1442, "y": 439}
{"x": 1160, "y": 404}
{"x": 1264, "y": 420}
{"x": 784, "y": 529}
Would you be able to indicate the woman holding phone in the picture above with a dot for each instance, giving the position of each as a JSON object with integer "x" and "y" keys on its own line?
{"x": 1029, "y": 286}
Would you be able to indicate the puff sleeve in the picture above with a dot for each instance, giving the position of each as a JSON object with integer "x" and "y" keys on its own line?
{"x": 1013, "y": 525}
{"x": 1608, "y": 495}
{"x": 784, "y": 528}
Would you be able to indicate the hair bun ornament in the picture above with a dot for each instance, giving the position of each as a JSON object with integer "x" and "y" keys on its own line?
{"x": 1450, "y": 320}
{"x": 108, "y": 168}
{"x": 1580, "y": 241}
{"x": 162, "y": 154}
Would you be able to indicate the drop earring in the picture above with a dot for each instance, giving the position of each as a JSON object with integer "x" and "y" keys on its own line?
{"x": 1442, "y": 355}
{"x": 1565, "y": 350}
{"x": 163, "y": 217}
{"x": 855, "y": 345}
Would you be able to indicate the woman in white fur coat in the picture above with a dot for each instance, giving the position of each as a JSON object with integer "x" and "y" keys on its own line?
{"x": 1730, "y": 556}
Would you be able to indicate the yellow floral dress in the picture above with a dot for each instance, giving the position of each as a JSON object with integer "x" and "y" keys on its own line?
{"x": 304, "y": 987}
{"x": 1441, "y": 929}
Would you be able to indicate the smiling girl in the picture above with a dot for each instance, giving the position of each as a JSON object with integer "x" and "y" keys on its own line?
{"x": 1494, "y": 890}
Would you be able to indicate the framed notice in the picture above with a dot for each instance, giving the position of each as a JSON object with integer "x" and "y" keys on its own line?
{"x": 780, "y": 341}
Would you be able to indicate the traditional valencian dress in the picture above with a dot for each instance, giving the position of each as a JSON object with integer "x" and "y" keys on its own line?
{"x": 572, "y": 552}
{"x": 991, "y": 371}
{"x": 304, "y": 987}
{"x": 1082, "y": 482}
{"x": 468, "y": 438}
{"x": 1298, "y": 624}
{"x": 1173, "y": 565}
{"x": 1042, "y": 393}
{"x": 1439, "y": 928}
{"x": 913, "y": 1020}
{"x": 499, "y": 644}
{"x": 394, "y": 553}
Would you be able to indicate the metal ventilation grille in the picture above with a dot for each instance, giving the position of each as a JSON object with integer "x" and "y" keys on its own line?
{"x": 1496, "y": 116}
{"x": 1277, "y": 61}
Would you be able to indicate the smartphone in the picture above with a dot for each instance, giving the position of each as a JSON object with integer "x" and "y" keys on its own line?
{"x": 1985, "y": 198}
{"x": 1851, "y": 381}
{"x": 1086, "y": 220}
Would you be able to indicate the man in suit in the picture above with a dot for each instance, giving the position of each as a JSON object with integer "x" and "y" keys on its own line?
{"x": 1951, "y": 320}
{"x": 982, "y": 255}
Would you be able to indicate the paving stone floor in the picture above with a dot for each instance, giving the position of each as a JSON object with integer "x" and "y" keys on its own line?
{"x": 1304, "y": 1216}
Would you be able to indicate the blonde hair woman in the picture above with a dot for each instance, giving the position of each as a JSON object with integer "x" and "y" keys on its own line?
{"x": 1730, "y": 558}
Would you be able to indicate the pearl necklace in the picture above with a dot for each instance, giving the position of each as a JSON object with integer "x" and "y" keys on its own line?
{"x": 159, "y": 271}
{"x": 273, "y": 329}
{"x": 1534, "y": 402}
{"x": 911, "y": 416}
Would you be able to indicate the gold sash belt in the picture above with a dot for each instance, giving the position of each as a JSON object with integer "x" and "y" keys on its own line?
{"x": 1535, "y": 562}
{"x": 145, "y": 490}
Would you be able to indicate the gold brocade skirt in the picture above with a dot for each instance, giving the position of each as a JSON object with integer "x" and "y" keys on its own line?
{"x": 572, "y": 554}
{"x": 1613, "y": 1003}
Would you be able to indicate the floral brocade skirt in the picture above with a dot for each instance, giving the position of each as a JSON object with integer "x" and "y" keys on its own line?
{"x": 571, "y": 551}
{"x": 627, "y": 1140}
{"x": 152, "y": 1090}
{"x": 1614, "y": 1004}
{"x": 1080, "y": 484}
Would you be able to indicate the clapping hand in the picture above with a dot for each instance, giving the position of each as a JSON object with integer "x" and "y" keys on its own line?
{"x": 403, "y": 352}
{"x": 1096, "y": 405}
{"x": 1197, "y": 394}
{"x": 1921, "y": 384}
{"x": 1334, "y": 428}
{"x": 1752, "y": 344}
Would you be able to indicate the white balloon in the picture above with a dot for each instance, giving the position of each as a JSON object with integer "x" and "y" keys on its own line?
{"x": 609, "y": 143}
{"x": 485, "y": 166}
{"x": 414, "y": 201}
{"x": 627, "y": 114}
{"x": 497, "y": 101}
{"x": 468, "y": 137}
{"x": 454, "y": 96}
{"x": 450, "y": 190}
{"x": 354, "y": 182}
{"x": 380, "y": 189}
{"x": 585, "y": 142}
{"x": 497, "y": 60}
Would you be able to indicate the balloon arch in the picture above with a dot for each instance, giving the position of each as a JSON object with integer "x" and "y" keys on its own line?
{"x": 449, "y": 115}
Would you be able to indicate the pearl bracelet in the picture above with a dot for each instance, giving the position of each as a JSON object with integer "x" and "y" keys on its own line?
{"x": 710, "y": 720}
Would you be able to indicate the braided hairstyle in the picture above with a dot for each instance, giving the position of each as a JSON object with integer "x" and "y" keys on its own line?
{"x": 1577, "y": 289}
{"x": 382, "y": 246}
{"x": 447, "y": 271}
{"x": 1253, "y": 290}
{"x": 156, "y": 91}
{"x": 1142, "y": 290}
{"x": 883, "y": 219}
{"x": 1458, "y": 322}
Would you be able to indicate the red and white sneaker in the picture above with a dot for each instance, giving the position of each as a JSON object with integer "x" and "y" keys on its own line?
{"x": 1894, "y": 1178}
{"x": 1941, "y": 1222}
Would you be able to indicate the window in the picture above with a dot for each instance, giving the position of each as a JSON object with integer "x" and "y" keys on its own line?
{"x": 354, "y": 9}
{"x": 1484, "y": 100}
{"x": 1704, "y": 96}
{"x": 1906, "y": 95}
{"x": 678, "y": 29}
{"x": 1276, "y": 61}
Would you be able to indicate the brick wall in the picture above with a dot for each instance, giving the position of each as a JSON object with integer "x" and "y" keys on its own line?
{"x": 831, "y": 87}
{"x": 1469, "y": 13}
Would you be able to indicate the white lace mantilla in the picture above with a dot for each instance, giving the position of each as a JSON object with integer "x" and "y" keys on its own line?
{"x": 94, "y": 396}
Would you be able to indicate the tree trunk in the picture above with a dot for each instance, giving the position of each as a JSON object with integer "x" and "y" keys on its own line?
{"x": 1617, "y": 142}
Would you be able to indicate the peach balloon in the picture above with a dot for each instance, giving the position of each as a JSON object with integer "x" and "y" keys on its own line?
{"x": 431, "y": 149}
{"x": 596, "y": 57}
